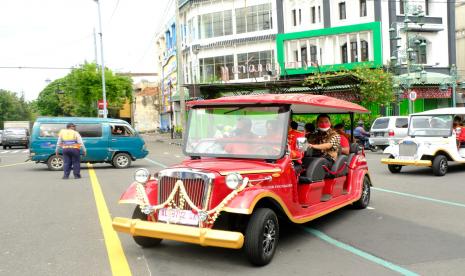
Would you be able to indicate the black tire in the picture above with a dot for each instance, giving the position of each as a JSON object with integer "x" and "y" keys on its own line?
{"x": 143, "y": 241}
{"x": 55, "y": 163}
{"x": 440, "y": 165}
{"x": 383, "y": 147}
{"x": 364, "y": 200}
{"x": 394, "y": 168}
{"x": 263, "y": 222}
{"x": 121, "y": 161}
{"x": 4, "y": 147}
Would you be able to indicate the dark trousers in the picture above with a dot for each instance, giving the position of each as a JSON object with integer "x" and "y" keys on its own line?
{"x": 72, "y": 159}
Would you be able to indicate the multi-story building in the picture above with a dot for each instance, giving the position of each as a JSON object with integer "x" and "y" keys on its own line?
{"x": 146, "y": 106}
{"x": 334, "y": 35}
{"x": 460, "y": 38}
{"x": 231, "y": 41}
{"x": 165, "y": 48}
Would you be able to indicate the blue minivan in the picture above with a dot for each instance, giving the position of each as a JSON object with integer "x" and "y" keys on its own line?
{"x": 111, "y": 141}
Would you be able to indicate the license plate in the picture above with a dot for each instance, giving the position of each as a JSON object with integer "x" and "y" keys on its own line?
{"x": 406, "y": 158}
{"x": 378, "y": 134}
{"x": 176, "y": 216}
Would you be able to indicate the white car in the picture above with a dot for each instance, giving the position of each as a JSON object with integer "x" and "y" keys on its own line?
{"x": 431, "y": 142}
{"x": 388, "y": 130}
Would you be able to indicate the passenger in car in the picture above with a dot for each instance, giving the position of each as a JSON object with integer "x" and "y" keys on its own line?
{"x": 325, "y": 142}
{"x": 345, "y": 146}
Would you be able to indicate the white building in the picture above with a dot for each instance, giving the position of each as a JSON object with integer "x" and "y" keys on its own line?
{"x": 259, "y": 40}
{"x": 229, "y": 40}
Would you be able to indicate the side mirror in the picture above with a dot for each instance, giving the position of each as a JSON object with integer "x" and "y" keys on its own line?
{"x": 302, "y": 144}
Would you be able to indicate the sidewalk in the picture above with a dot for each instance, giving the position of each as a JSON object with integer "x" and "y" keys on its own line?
{"x": 162, "y": 138}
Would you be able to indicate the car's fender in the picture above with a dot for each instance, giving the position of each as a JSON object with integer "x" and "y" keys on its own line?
{"x": 130, "y": 195}
{"x": 392, "y": 150}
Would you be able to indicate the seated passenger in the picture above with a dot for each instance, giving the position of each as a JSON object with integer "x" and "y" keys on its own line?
{"x": 292, "y": 136}
{"x": 345, "y": 146}
{"x": 457, "y": 126}
{"x": 325, "y": 142}
{"x": 309, "y": 129}
{"x": 240, "y": 138}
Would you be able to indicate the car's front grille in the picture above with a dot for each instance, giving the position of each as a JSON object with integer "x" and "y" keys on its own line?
{"x": 408, "y": 149}
{"x": 197, "y": 187}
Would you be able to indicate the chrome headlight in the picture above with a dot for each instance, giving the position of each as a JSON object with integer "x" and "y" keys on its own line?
{"x": 233, "y": 180}
{"x": 142, "y": 176}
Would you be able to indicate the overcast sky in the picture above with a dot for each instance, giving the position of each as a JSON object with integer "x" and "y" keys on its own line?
{"x": 59, "y": 33}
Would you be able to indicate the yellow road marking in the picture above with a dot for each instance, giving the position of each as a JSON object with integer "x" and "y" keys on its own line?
{"x": 118, "y": 262}
{"x": 15, "y": 164}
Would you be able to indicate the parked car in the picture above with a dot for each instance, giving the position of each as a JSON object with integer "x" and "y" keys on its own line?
{"x": 1, "y": 135}
{"x": 15, "y": 137}
{"x": 431, "y": 142}
{"x": 388, "y": 130}
{"x": 234, "y": 190}
{"x": 111, "y": 141}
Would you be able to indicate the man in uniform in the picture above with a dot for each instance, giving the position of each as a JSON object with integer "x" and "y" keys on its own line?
{"x": 71, "y": 142}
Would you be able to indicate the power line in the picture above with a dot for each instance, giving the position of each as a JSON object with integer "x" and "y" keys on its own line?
{"x": 37, "y": 67}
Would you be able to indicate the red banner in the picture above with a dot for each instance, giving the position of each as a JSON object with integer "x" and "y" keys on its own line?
{"x": 428, "y": 93}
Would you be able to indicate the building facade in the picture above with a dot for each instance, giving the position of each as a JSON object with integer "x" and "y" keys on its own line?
{"x": 229, "y": 40}
{"x": 147, "y": 106}
{"x": 233, "y": 41}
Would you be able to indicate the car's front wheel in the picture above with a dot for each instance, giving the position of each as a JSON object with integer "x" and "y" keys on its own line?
{"x": 394, "y": 168}
{"x": 261, "y": 236}
{"x": 440, "y": 165}
{"x": 143, "y": 241}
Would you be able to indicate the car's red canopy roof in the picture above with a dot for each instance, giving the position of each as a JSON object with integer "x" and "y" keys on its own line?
{"x": 300, "y": 103}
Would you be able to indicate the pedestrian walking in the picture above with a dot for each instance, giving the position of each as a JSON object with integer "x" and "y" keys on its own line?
{"x": 71, "y": 142}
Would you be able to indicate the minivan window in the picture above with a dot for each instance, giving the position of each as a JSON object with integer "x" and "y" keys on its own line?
{"x": 121, "y": 130}
{"x": 89, "y": 130}
{"x": 401, "y": 123}
{"x": 381, "y": 123}
{"x": 50, "y": 130}
{"x": 86, "y": 130}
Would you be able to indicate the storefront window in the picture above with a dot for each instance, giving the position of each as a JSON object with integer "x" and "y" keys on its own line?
{"x": 215, "y": 69}
{"x": 254, "y": 64}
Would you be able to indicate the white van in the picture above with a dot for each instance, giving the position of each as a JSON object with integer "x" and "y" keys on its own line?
{"x": 388, "y": 130}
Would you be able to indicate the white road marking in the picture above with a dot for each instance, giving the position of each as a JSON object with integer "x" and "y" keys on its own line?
{"x": 370, "y": 208}
{"x": 178, "y": 156}
{"x": 16, "y": 151}
{"x": 166, "y": 152}
{"x": 4, "y": 152}
{"x": 25, "y": 151}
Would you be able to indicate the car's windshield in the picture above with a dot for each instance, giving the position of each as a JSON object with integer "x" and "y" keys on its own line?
{"x": 16, "y": 131}
{"x": 433, "y": 125}
{"x": 243, "y": 132}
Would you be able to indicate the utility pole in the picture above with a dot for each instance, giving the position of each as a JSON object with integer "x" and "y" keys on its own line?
{"x": 180, "y": 75}
{"x": 95, "y": 47}
{"x": 104, "y": 93}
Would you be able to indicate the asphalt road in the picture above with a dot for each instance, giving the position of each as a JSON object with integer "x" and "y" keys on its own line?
{"x": 415, "y": 225}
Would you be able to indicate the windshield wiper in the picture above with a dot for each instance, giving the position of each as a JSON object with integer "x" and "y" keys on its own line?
{"x": 237, "y": 109}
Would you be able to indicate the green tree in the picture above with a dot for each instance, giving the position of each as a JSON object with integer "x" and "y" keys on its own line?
{"x": 77, "y": 93}
{"x": 13, "y": 108}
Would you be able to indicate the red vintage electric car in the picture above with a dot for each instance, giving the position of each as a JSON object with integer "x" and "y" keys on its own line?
{"x": 239, "y": 181}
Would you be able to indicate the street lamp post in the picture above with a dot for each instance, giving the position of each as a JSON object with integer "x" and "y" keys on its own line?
{"x": 104, "y": 93}
{"x": 408, "y": 52}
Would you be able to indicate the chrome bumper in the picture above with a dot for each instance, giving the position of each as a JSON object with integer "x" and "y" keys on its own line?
{"x": 417, "y": 163}
{"x": 189, "y": 234}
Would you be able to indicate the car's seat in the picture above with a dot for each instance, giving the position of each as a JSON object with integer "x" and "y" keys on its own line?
{"x": 314, "y": 169}
{"x": 339, "y": 168}
{"x": 354, "y": 150}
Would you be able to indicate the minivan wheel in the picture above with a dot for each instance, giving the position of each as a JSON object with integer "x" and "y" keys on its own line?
{"x": 440, "y": 165}
{"x": 121, "y": 160}
{"x": 140, "y": 240}
{"x": 261, "y": 236}
{"x": 55, "y": 163}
